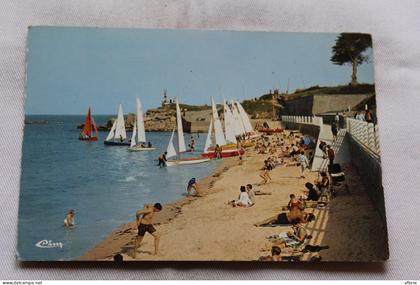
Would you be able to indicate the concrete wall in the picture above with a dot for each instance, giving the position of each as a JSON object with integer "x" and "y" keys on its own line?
{"x": 370, "y": 171}
{"x": 324, "y": 103}
{"x": 300, "y": 106}
{"x": 306, "y": 129}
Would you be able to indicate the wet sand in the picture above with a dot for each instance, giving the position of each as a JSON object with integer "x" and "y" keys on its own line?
{"x": 207, "y": 229}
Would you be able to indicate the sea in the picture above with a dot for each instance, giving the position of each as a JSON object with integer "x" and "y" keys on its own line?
{"x": 106, "y": 185}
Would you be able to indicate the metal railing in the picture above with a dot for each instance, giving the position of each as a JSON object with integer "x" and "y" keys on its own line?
{"x": 365, "y": 133}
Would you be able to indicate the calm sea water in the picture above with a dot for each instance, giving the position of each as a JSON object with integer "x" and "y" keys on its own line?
{"x": 105, "y": 184}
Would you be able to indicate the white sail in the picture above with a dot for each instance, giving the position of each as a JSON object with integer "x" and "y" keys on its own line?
{"x": 111, "y": 132}
{"x": 181, "y": 142}
{"x": 120, "y": 128}
{"x": 209, "y": 141}
{"x": 171, "y": 149}
{"x": 141, "y": 134}
{"x": 133, "y": 137}
{"x": 220, "y": 137}
{"x": 245, "y": 118}
{"x": 229, "y": 127}
{"x": 239, "y": 127}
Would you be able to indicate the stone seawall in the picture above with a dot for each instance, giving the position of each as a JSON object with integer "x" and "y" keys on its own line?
{"x": 306, "y": 129}
{"x": 370, "y": 171}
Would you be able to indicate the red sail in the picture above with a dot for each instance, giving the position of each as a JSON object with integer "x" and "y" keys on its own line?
{"x": 87, "y": 130}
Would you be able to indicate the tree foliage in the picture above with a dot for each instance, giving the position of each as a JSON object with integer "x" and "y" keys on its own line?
{"x": 349, "y": 48}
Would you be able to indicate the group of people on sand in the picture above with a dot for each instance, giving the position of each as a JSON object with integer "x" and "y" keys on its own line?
{"x": 247, "y": 196}
{"x": 291, "y": 245}
{"x": 295, "y": 215}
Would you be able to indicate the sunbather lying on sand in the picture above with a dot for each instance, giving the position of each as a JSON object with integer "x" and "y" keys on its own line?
{"x": 255, "y": 192}
{"x": 287, "y": 218}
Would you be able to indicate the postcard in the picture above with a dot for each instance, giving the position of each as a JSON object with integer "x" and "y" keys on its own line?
{"x": 195, "y": 145}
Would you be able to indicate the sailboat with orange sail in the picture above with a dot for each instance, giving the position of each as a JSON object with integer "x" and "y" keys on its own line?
{"x": 89, "y": 128}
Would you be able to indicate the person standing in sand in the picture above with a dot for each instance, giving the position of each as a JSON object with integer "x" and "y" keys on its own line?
{"x": 69, "y": 220}
{"x": 304, "y": 163}
{"x": 144, "y": 224}
{"x": 265, "y": 174}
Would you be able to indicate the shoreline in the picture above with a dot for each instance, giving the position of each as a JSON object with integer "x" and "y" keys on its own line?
{"x": 108, "y": 247}
{"x": 207, "y": 229}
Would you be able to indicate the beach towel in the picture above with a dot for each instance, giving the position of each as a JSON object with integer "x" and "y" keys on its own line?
{"x": 289, "y": 241}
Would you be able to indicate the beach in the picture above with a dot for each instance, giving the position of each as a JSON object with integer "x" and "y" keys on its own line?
{"x": 208, "y": 229}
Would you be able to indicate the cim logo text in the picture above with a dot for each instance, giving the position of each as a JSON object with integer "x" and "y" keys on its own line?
{"x": 48, "y": 244}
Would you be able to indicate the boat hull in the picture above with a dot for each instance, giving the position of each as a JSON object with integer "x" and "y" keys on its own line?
{"x": 225, "y": 153}
{"x": 111, "y": 143}
{"x": 140, "y": 148}
{"x": 269, "y": 131}
{"x": 186, "y": 161}
{"x": 88, "y": 139}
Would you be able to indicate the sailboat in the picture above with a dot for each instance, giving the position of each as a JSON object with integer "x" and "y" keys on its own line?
{"x": 219, "y": 137}
{"x": 172, "y": 152}
{"x": 89, "y": 127}
{"x": 117, "y": 134}
{"x": 138, "y": 139}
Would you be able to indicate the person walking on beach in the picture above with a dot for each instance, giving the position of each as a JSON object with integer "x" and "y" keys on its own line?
{"x": 69, "y": 220}
{"x": 144, "y": 224}
{"x": 162, "y": 159}
{"x": 265, "y": 175}
{"x": 192, "y": 184}
{"x": 304, "y": 163}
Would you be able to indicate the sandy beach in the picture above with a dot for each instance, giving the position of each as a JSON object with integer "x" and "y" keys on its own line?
{"x": 206, "y": 228}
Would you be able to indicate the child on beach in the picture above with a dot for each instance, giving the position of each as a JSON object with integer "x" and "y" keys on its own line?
{"x": 294, "y": 203}
{"x": 304, "y": 163}
{"x": 265, "y": 175}
{"x": 144, "y": 224}
{"x": 192, "y": 184}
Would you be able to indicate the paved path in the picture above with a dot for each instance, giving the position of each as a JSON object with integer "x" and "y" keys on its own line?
{"x": 319, "y": 163}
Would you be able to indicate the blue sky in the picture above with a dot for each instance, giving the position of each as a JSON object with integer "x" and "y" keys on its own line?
{"x": 72, "y": 68}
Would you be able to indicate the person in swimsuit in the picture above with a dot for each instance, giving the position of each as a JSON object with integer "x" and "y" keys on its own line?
{"x": 218, "y": 151}
{"x": 144, "y": 224}
{"x": 192, "y": 184}
{"x": 287, "y": 218}
{"x": 265, "y": 175}
{"x": 298, "y": 233}
{"x": 294, "y": 203}
{"x": 69, "y": 220}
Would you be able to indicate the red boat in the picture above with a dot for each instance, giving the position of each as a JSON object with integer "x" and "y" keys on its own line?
{"x": 269, "y": 131}
{"x": 225, "y": 153}
{"x": 89, "y": 127}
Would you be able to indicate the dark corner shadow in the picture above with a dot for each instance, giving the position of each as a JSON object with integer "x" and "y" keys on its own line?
{"x": 364, "y": 267}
